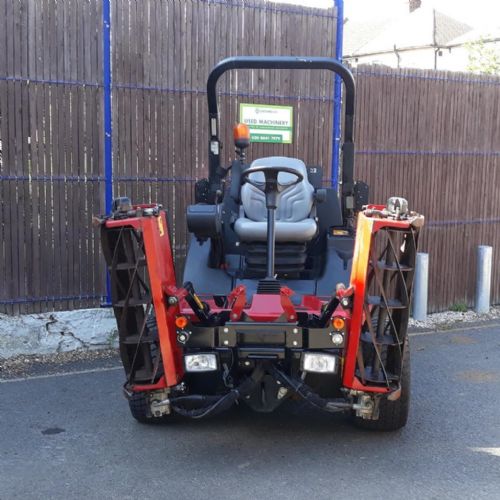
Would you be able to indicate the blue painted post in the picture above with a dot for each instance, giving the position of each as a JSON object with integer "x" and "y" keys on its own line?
{"x": 337, "y": 97}
{"x": 108, "y": 130}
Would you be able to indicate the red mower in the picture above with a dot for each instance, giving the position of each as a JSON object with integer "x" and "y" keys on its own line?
{"x": 290, "y": 290}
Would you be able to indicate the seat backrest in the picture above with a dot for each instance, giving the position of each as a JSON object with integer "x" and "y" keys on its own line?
{"x": 294, "y": 203}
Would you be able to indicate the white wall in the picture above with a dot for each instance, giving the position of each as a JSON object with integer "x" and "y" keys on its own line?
{"x": 454, "y": 59}
{"x": 422, "y": 58}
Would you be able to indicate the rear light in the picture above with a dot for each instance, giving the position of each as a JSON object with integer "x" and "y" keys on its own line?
{"x": 319, "y": 363}
{"x": 338, "y": 323}
{"x": 202, "y": 362}
{"x": 181, "y": 322}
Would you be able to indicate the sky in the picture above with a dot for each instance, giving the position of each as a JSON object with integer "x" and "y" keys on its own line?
{"x": 482, "y": 14}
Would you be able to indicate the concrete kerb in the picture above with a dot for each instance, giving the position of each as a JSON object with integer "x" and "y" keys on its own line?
{"x": 62, "y": 331}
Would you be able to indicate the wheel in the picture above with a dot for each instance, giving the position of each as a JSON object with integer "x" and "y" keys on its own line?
{"x": 393, "y": 415}
{"x": 140, "y": 409}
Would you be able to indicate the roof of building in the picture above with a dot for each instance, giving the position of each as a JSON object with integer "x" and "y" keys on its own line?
{"x": 422, "y": 28}
{"x": 475, "y": 35}
{"x": 357, "y": 34}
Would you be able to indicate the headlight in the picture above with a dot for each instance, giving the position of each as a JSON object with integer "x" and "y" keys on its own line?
{"x": 319, "y": 363}
{"x": 200, "y": 362}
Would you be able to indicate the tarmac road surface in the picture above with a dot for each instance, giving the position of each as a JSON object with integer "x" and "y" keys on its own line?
{"x": 71, "y": 436}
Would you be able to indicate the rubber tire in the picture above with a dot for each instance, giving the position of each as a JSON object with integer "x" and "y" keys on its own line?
{"x": 393, "y": 415}
{"x": 139, "y": 408}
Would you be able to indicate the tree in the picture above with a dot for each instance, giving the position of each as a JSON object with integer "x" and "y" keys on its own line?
{"x": 484, "y": 57}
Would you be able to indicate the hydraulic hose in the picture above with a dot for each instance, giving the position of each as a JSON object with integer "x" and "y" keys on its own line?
{"x": 216, "y": 404}
{"x": 306, "y": 393}
{"x": 221, "y": 404}
{"x": 211, "y": 405}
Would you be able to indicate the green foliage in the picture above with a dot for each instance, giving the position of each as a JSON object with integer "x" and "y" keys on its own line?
{"x": 459, "y": 307}
{"x": 484, "y": 57}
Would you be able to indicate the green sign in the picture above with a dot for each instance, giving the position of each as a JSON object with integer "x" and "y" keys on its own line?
{"x": 268, "y": 123}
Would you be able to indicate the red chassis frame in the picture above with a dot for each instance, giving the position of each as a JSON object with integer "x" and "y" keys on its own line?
{"x": 168, "y": 300}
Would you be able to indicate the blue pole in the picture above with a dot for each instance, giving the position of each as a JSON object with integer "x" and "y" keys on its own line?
{"x": 108, "y": 130}
{"x": 337, "y": 97}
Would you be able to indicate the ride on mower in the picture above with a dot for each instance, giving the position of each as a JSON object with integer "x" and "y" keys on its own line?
{"x": 290, "y": 289}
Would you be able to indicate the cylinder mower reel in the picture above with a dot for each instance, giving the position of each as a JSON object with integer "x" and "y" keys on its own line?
{"x": 289, "y": 289}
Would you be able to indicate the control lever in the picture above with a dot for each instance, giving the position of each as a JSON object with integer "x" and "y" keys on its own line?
{"x": 201, "y": 309}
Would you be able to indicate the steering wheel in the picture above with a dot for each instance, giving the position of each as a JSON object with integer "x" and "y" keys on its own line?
{"x": 271, "y": 185}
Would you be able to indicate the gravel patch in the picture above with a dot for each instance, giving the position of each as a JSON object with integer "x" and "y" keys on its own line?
{"x": 36, "y": 364}
{"x": 451, "y": 319}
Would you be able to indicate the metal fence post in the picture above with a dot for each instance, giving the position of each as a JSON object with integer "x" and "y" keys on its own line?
{"x": 337, "y": 97}
{"x": 421, "y": 287}
{"x": 483, "y": 278}
{"x": 108, "y": 130}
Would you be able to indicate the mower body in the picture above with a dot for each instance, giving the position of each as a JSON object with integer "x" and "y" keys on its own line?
{"x": 309, "y": 299}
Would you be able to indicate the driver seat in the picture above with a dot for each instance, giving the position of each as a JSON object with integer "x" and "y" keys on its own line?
{"x": 294, "y": 222}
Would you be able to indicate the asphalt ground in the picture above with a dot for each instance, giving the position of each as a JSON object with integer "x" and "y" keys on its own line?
{"x": 70, "y": 435}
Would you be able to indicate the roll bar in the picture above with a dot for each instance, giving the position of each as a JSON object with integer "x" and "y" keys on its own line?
{"x": 282, "y": 62}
